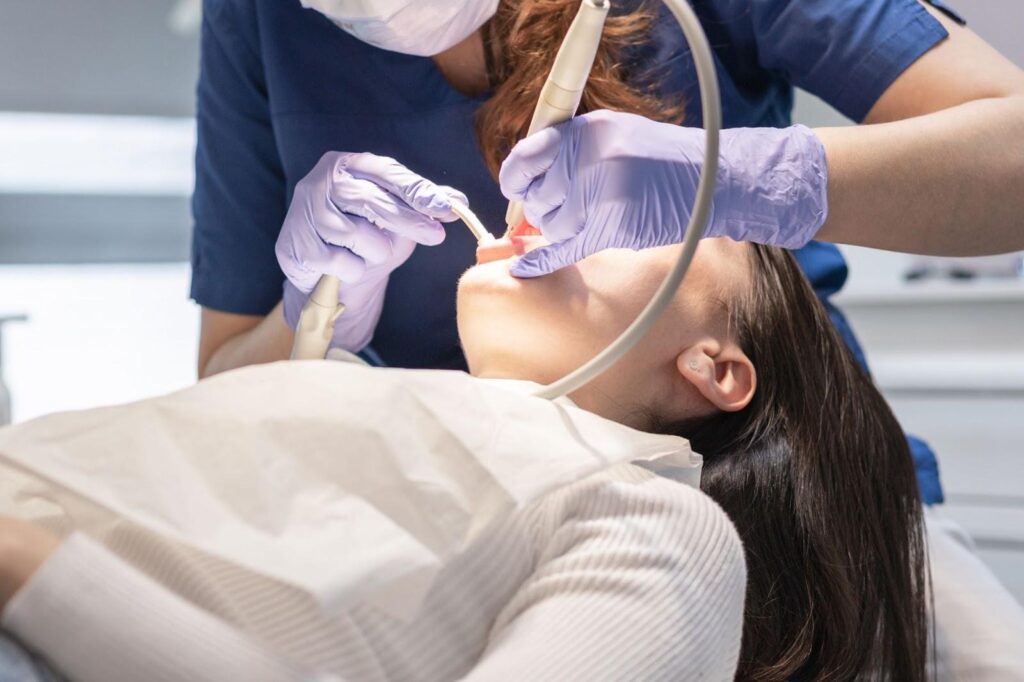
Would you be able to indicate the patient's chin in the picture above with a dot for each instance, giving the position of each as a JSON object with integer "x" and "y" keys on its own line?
{"x": 483, "y": 292}
{"x": 488, "y": 278}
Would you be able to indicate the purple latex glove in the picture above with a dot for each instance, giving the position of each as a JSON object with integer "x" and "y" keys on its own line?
{"x": 611, "y": 180}
{"x": 357, "y": 217}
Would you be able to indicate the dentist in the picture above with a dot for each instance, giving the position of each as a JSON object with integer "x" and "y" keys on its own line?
{"x": 282, "y": 90}
{"x": 344, "y": 87}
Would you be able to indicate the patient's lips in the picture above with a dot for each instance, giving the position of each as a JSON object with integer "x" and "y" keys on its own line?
{"x": 524, "y": 229}
{"x": 507, "y": 247}
{"x": 521, "y": 239}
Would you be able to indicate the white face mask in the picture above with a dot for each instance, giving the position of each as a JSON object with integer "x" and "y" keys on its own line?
{"x": 417, "y": 27}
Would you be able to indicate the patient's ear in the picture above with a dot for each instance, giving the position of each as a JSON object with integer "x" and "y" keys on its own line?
{"x": 721, "y": 372}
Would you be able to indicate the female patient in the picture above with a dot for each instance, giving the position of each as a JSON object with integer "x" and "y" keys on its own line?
{"x": 623, "y": 576}
{"x": 801, "y": 451}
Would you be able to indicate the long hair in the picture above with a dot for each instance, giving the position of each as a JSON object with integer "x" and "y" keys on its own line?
{"x": 521, "y": 41}
{"x": 815, "y": 472}
{"x": 817, "y": 476}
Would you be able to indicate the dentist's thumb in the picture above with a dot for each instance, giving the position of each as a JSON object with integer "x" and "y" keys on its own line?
{"x": 547, "y": 259}
{"x": 528, "y": 161}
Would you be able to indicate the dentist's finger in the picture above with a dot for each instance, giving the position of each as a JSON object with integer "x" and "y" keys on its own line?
{"x": 357, "y": 234}
{"x": 414, "y": 190}
{"x": 366, "y": 199}
{"x": 341, "y": 263}
{"x": 546, "y": 259}
{"x": 546, "y": 197}
{"x": 531, "y": 158}
{"x": 324, "y": 260}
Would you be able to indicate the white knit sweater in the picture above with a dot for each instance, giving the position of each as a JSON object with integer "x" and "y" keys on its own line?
{"x": 622, "y": 576}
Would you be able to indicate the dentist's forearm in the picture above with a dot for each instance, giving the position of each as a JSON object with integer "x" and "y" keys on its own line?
{"x": 948, "y": 183}
{"x": 229, "y": 341}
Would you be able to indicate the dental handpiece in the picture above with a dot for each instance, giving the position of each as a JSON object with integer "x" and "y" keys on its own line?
{"x": 560, "y": 97}
{"x": 315, "y": 329}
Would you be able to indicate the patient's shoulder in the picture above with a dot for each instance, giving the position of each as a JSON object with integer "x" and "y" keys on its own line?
{"x": 634, "y": 489}
{"x": 633, "y": 506}
{"x": 626, "y": 547}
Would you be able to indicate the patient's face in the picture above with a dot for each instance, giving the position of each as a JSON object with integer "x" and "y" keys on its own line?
{"x": 541, "y": 329}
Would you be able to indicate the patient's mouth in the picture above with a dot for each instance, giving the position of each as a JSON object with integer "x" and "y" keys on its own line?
{"x": 521, "y": 239}
{"x": 507, "y": 247}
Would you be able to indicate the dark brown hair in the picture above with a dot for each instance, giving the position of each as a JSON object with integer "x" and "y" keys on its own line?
{"x": 521, "y": 41}
{"x": 817, "y": 476}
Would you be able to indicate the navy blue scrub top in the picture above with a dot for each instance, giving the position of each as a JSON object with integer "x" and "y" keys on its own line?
{"x": 280, "y": 85}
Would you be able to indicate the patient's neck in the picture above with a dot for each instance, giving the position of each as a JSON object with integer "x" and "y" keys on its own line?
{"x": 464, "y": 65}
{"x": 497, "y": 367}
{"x": 596, "y": 397}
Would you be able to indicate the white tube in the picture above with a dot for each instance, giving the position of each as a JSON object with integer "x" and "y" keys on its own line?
{"x": 472, "y": 222}
{"x": 711, "y": 106}
{"x": 563, "y": 90}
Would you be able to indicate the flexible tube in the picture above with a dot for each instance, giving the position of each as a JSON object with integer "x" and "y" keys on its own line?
{"x": 711, "y": 107}
{"x": 472, "y": 222}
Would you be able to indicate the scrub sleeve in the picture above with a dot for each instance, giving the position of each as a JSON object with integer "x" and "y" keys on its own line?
{"x": 239, "y": 201}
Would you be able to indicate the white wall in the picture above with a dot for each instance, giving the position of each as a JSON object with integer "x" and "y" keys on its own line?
{"x": 71, "y": 192}
{"x": 96, "y": 56}
{"x": 97, "y": 334}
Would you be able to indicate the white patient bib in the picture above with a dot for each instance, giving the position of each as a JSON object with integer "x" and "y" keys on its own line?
{"x": 347, "y": 482}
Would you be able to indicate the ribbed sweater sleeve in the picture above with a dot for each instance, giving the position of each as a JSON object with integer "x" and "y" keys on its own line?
{"x": 623, "y": 576}
{"x": 642, "y": 579}
{"x": 98, "y": 620}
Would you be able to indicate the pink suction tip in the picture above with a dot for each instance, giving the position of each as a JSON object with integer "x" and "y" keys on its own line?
{"x": 507, "y": 247}
{"x": 523, "y": 229}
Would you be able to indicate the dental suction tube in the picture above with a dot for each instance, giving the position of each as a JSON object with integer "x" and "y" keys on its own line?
{"x": 711, "y": 107}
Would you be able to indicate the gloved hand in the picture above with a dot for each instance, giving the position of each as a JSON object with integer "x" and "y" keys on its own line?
{"x": 611, "y": 180}
{"x": 357, "y": 217}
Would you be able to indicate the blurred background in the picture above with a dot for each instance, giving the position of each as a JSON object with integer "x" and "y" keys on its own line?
{"x": 96, "y": 141}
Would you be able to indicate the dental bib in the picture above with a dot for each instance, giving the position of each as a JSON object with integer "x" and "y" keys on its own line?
{"x": 348, "y": 483}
